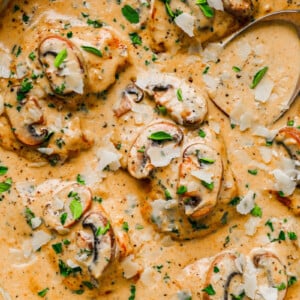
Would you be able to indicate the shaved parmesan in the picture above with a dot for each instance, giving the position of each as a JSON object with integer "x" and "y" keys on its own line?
{"x": 39, "y": 239}
{"x": 161, "y": 157}
{"x": 203, "y": 175}
{"x": 36, "y": 222}
{"x": 251, "y": 226}
{"x": 216, "y": 4}
{"x": 263, "y": 90}
{"x": 5, "y": 295}
{"x": 264, "y": 132}
{"x": 108, "y": 158}
{"x": 186, "y": 22}
{"x": 266, "y": 154}
{"x": 284, "y": 183}
{"x": 130, "y": 267}
{"x": 250, "y": 279}
{"x": 244, "y": 49}
{"x": 246, "y": 120}
{"x": 268, "y": 293}
{"x": 212, "y": 52}
{"x": 246, "y": 204}
{"x": 5, "y": 61}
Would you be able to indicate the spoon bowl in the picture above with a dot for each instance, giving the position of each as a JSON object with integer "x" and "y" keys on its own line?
{"x": 291, "y": 17}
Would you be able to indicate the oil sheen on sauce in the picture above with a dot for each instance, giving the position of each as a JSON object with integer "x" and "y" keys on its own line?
{"x": 153, "y": 267}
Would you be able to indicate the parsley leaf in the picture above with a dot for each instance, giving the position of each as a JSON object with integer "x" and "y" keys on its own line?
{"x": 3, "y": 170}
{"x": 135, "y": 38}
{"x": 60, "y": 57}
{"x": 130, "y": 14}
{"x": 160, "y": 136}
{"x": 209, "y": 290}
{"x": 92, "y": 50}
{"x": 76, "y": 209}
{"x": 43, "y": 292}
{"x": 258, "y": 77}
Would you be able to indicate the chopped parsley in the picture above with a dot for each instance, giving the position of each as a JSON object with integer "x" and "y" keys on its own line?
{"x": 57, "y": 248}
{"x": 92, "y": 50}
{"x": 125, "y": 226}
{"x": 179, "y": 95}
{"x": 256, "y": 211}
{"x": 206, "y": 160}
{"x": 103, "y": 230}
{"x": 94, "y": 23}
{"x": 32, "y": 56}
{"x": 60, "y": 57}
{"x": 3, "y": 170}
{"x": 43, "y": 292}
{"x": 208, "y": 185}
{"x": 236, "y": 69}
{"x": 201, "y": 133}
{"x": 292, "y": 280}
{"x": 63, "y": 218}
{"x": 281, "y": 287}
{"x": 292, "y": 235}
{"x": 29, "y": 215}
{"x": 132, "y": 292}
{"x": 135, "y": 38}
{"x": 26, "y": 86}
{"x": 216, "y": 269}
{"x": 76, "y": 209}
{"x": 253, "y": 172}
{"x": 181, "y": 190}
{"x": 160, "y": 136}
{"x": 209, "y": 290}
{"x": 205, "y": 8}
{"x": 130, "y": 14}
{"x": 80, "y": 180}
{"x": 65, "y": 270}
{"x": 270, "y": 225}
{"x": 258, "y": 77}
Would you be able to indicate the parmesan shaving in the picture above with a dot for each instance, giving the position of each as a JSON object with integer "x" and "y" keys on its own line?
{"x": 216, "y": 4}
{"x": 268, "y": 293}
{"x": 161, "y": 157}
{"x": 246, "y": 204}
{"x": 263, "y": 90}
{"x": 39, "y": 239}
{"x": 130, "y": 268}
{"x": 186, "y": 22}
{"x": 203, "y": 175}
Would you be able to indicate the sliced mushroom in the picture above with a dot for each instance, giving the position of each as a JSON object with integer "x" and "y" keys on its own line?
{"x": 67, "y": 206}
{"x": 242, "y": 9}
{"x": 290, "y": 138}
{"x": 155, "y": 146}
{"x": 26, "y": 118}
{"x": 103, "y": 244}
{"x": 200, "y": 175}
{"x": 270, "y": 271}
{"x": 224, "y": 277}
{"x": 67, "y": 75}
{"x": 184, "y": 104}
{"x": 131, "y": 94}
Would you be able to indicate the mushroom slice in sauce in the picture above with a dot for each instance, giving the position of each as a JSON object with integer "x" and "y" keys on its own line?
{"x": 155, "y": 146}
{"x": 270, "y": 271}
{"x": 242, "y": 9}
{"x": 67, "y": 206}
{"x": 67, "y": 74}
{"x": 103, "y": 242}
{"x": 27, "y": 119}
{"x": 200, "y": 175}
{"x": 290, "y": 138}
{"x": 184, "y": 104}
{"x": 132, "y": 94}
{"x": 224, "y": 277}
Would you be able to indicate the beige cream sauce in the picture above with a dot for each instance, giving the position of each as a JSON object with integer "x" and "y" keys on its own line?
{"x": 151, "y": 249}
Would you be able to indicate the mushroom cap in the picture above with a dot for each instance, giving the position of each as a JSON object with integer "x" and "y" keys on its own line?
{"x": 143, "y": 151}
{"x": 62, "y": 202}
{"x": 271, "y": 271}
{"x": 201, "y": 173}
{"x": 184, "y": 104}
{"x": 224, "y": 276}
{"x": 290, "y": 138}
{"x": 26, "y": 117}
{"x": 103, "y": 242}
{"x": 67, "y": 79}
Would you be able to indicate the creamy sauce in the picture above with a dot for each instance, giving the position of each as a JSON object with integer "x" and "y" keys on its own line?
{"x": 157, "y": 265}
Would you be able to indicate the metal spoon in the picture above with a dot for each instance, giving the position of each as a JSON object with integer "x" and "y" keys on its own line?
{"x": 288, "y": 16}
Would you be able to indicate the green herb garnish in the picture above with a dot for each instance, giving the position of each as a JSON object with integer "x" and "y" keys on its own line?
{"x": 130, "y": 14}
{"x": 258, "y": 77}
{"x": 60, "y": 57}
{"x": 92, "y": 50}
{"x": 160, "y": 136}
